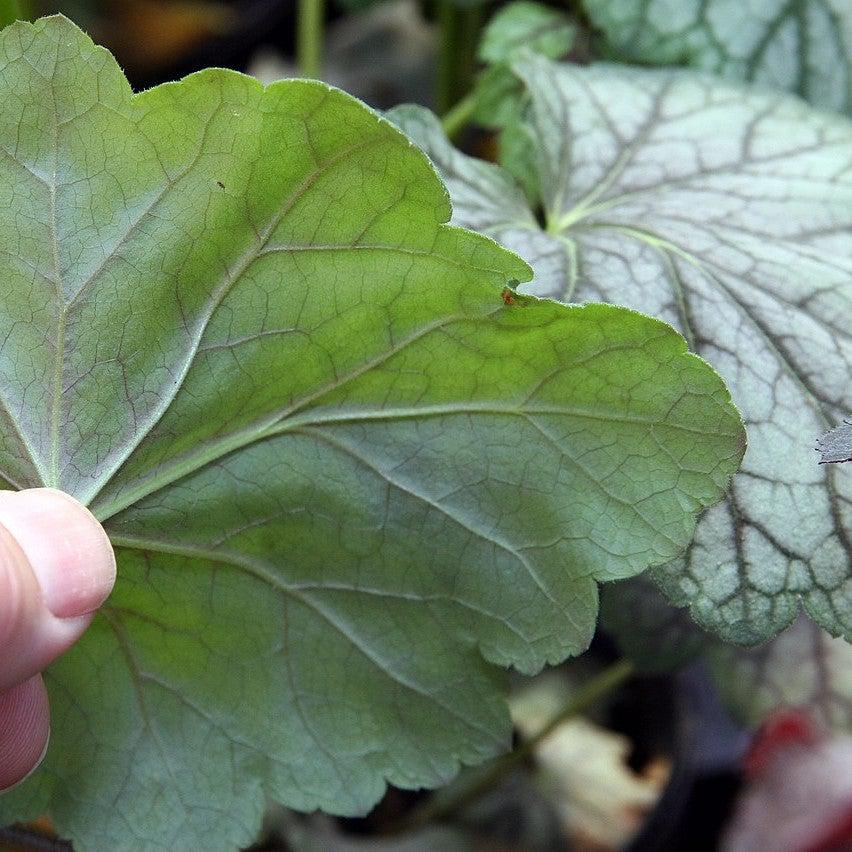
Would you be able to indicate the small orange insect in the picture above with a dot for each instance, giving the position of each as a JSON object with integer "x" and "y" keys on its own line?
{"x": 507, "y": 296}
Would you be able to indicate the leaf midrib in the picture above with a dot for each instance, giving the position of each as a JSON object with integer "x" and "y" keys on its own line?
{"x": 218, "y": 293}
{"x": 287, "y": 419}
{"x": 256, "y": 250}
{"x": 59, "y": 362}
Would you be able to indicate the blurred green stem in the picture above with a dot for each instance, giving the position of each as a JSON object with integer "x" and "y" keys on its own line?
{"x": 309, "y": 37}
{"x": 446, "y": 72}
{"x": 600, "y": 686}
{"x": 14, "y": 10}
{"x": 470, "y": 25}
{"x": 458, "y": 32}
{"x": 456, "y": 118}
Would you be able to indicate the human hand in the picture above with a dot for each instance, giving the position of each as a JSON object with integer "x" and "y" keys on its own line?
{"x": 56, "y": 568}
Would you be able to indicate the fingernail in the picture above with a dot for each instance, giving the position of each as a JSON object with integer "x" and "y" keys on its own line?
{"x": 67, "y": 548}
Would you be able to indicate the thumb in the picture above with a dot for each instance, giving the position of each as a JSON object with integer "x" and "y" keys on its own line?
{"x": 56, "y": 568}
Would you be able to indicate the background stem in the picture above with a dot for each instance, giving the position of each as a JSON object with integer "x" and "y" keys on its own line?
{"x": 469, "y": 26}
{"x": 458, "y": 33}
{"x": 446, "y": 18}
{"x": 309, "y": 37}
{"x": 457, "y": 117}
{"x": 603, "y": 684}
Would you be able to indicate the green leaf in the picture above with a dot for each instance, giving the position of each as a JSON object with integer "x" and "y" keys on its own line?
{"x": 496, "y": 101}
{"x": 358, "y": 4}
{"x": 496, "y": 95}
{"x": 345, "y": 479}
{"x": 728, "y": 213}
{"x": 801, "y": 667}
{"x": 364, "y": 4}
{"x": 836, "y": 445}
{"x": 514, "y": 30}
{"x": 802, "y": 46}
{"x": 524, "y": 25}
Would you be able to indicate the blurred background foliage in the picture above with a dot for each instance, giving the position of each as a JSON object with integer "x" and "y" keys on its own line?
{"x": 159, "y": 40}
{"x": 384, "y": 51}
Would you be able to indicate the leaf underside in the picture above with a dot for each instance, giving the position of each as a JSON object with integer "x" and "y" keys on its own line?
{"x": 741, "y": 238}
{"x": 343, "y": 477}
{"x": 801, "y": 46}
